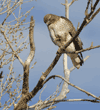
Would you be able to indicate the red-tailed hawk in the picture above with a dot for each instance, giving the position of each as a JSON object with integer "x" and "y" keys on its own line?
{"x": 61, "y": 31}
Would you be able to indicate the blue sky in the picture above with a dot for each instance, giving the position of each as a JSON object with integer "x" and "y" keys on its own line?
{"x": 87, "y": 77}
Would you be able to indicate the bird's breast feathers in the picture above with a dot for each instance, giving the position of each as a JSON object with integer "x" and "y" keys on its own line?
{"x": 58, "y": 27}
{"x": 58, "y": 30}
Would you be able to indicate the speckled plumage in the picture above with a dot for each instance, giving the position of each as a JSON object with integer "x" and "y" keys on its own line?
{"x": 61, "y": 30}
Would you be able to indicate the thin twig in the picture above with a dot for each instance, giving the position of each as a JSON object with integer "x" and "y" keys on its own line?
{"x": 16, "y": 55}
{"x": 92, "y": 17}
{"x": 72, "y": 2}
{"x": 83, "y": 50}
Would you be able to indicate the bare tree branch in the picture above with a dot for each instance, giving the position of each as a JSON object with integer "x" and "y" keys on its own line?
{"x": 15, "y": 4}
{"x": 72, "y": 2}
{"x": 87, "y": 49}
{"x": 83, "y": 50}
{"x": 29, "y": 59}
{"x": 92, "y": 17}
{"x": 16, "y": 55}
{"x": 65, "y": 89}
{"x": 86, "y": 11}
{"x": 78, "y": 25}
{"x": 73, "y": 100}
{"x": 1, "y": 75}
{"x": 26, "y": 96}
{"x": 97, "y": 1}
{"x": 47, "y": 104}
{"x": 66, "y": 100}
{"x": 88, "y": 93}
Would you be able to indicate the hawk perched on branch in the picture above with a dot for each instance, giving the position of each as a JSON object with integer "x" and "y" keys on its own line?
{"x": 61, "y": 30}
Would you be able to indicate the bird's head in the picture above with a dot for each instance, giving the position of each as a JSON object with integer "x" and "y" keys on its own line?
{"x": 47, "y": 18}
{"x": 50, "y": 18}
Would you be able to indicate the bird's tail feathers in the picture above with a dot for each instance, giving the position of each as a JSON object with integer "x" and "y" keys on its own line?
{"x": 81, "y": 59}
{"x": 76, "y": 60}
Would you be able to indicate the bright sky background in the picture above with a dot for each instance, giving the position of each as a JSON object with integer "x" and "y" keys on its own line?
{"x": 87, "y": 77}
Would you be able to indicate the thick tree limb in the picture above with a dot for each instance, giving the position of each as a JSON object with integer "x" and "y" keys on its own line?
{"x": 65, "y": 89}
{"x": 29, "y": 59}
{"x": 26, "y": 96}
{"x": 39, "y": 85}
